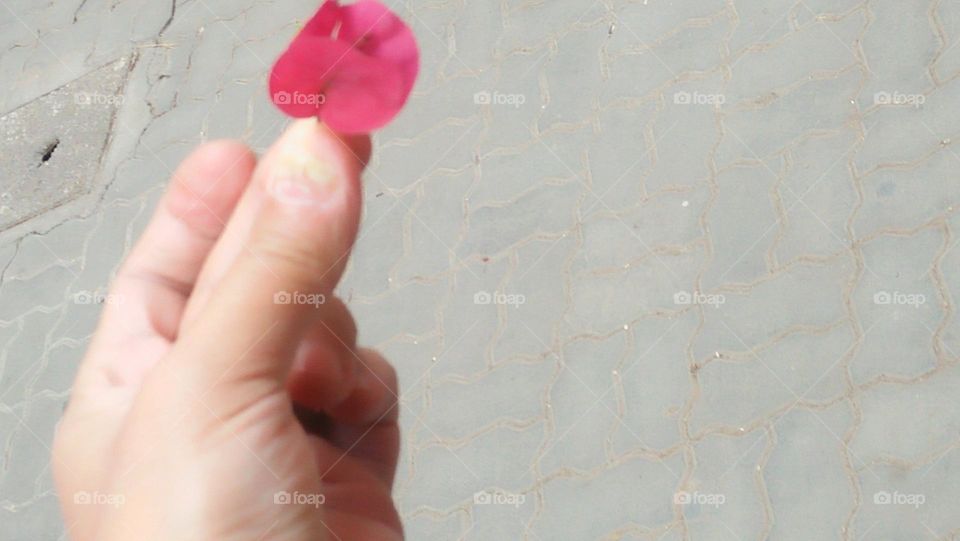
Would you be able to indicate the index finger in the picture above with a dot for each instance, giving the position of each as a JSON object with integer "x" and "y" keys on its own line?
{"x": 297, "y": 249}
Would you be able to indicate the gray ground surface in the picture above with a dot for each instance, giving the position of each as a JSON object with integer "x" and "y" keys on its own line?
{"x": 719, "y": 240}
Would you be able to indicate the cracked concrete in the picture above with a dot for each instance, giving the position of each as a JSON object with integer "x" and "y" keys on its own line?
{"x": 55, "y": 143}
{"x": 648, "y": 270}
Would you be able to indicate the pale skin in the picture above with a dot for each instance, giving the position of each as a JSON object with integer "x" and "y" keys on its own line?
{"x": 182, "y": 422}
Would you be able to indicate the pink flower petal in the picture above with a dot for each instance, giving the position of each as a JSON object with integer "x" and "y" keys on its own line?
{"x": 352, "y": 66}
{"x": 363, "y": 95}
{"x": 323, "y": 23}
{"x": 351, "y": 92}
{"x": 376, "y": 31}
{"x": 299, "y": 78}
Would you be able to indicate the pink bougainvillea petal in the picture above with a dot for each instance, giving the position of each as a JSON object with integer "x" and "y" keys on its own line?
{"x": 351, "y": 66}
{"x": 363, "y": 95}
{"x": 351, "y": 92}
{"x": 376, "y": 31}
{"x": 323, "y": 23}
{"x": 299, "y": 78}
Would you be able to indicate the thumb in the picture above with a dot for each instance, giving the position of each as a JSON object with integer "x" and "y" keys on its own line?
{"x": 243, "y": 343}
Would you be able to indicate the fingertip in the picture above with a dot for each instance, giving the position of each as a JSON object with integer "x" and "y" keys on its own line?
{"x": 206, "y": 187}
{"x": 312, "y": 177}
{"x": 218, "y": 156}
{"x": 311, "y": 135}
{"x": 375, "y": 397}
{"x": 321, "y": 376}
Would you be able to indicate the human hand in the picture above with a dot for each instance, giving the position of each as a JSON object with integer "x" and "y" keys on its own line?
{"x": 207, "y": 407}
